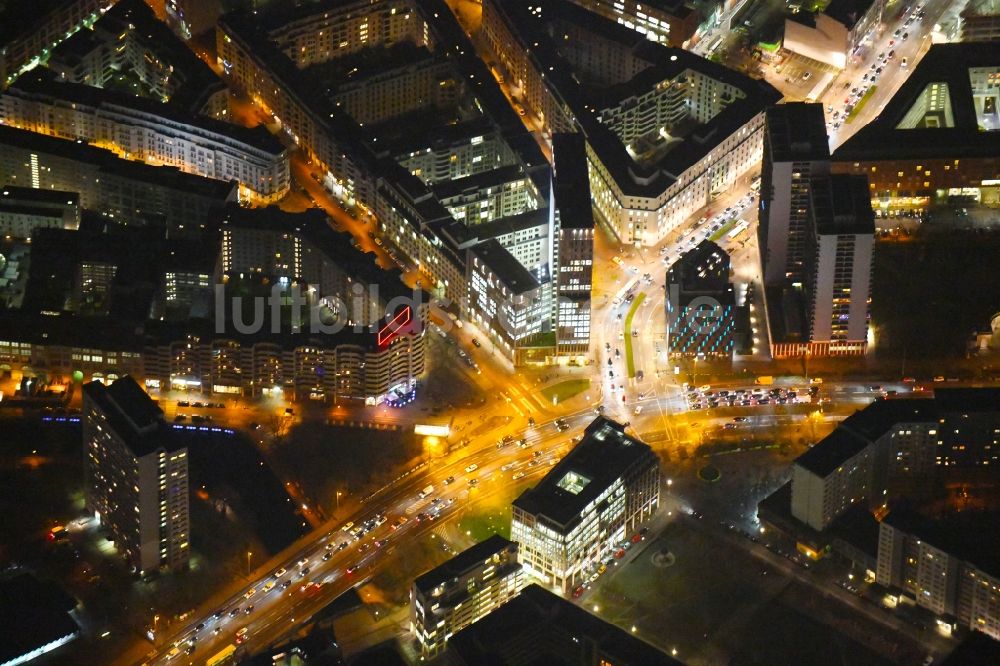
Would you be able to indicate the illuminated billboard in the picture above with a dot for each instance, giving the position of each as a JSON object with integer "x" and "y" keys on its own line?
{"x": 398, "y": 323}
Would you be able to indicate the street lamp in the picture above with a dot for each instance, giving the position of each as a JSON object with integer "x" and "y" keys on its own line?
{"x": 249, "y": 555}
{"x": 338, "y": 500}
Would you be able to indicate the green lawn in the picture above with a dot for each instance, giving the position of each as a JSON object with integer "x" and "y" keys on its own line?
{"x": 629, "y": 361}
{"x": 861, "y": 104}
{"x": 481, "y": 526}
{"x": 565, "y": 390}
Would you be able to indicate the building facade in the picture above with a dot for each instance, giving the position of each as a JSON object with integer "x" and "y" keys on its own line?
{"x": 136, "y": 476}
{"x": 701, "y": 304}
{"x": 840, "y": 258}
{"x": 796, "y": 149}
{"x": 23, "y": 209}
{"x": 672, "y": 22}
{"x": 592, "y": 501}
{"x": 464, "y": 589}
{"x": 670, "y": 132}
{"x": 151, "y": 132}
{"x": 126, "y": 192}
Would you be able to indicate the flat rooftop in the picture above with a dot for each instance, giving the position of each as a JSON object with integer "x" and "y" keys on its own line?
{"x": 554, "y": 632}
{"x": 461, "y": 564}
{"x": 646, "y": 178}
{"x": 511, "y": 272}
{"x": 603, "y": 455}
{"x": 841, "y": 204}
{"x": 34, "y": 614}
{"x": 796, "y": 132}
{"x": 972, "y": 536}
{"x": 134, "y": 416}
{"x": 898, "y": 133}
{"x": 832, "y": 451}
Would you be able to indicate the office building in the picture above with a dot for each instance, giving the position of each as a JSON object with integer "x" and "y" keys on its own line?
{"x": 506, "y": 300}
{"x": 594, "y": 499}
{"x": 573, "y": 219}
{"x": 948, "y": 566}
{"x": 842, "y": 32}
{"x": 668, "y": 131}
{"x": 126, "y": 192}
{"x": 672, "y": 22}
{"x": 136, "y": 476}
{"x": 129, "y": 38}
{"x": 701, "y": 304}
{"x": 33, "y": 29}
{"x": 540, "y": 627}
{"x": 796, "y": 150}
{"x": 464, "y": 589}
{"x": 896, "y": 448}
{"x": 935, "y": 141}
{"x": 23, "y": 209}
{"x": 149, "y": 131}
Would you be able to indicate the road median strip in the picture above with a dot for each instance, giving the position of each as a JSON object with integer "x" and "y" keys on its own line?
{"x": 629, "y": 361}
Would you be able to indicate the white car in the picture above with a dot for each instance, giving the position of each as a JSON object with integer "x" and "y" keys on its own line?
{"x": 471, "y": 468}
{"x": 638, "y": 409}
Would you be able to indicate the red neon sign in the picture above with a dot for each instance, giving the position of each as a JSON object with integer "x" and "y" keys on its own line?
{"x": 392, "y": 329}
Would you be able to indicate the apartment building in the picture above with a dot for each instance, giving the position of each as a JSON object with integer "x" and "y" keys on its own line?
{"x": 670, "y": 130}
{"x": 151, "y": 132}
{"x": 796, "y": 150}
{"x": 126, "y": 192}
{"x": 23, "y": 209}
{"x": 136, "y": 476}
{"x": 31, "y": 32}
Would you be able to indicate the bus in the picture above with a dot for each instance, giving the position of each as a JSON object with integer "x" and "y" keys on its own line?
{"x": 820, "y": 87}
{"x": 222, "y": 656}
{"x": 740, "y": 227}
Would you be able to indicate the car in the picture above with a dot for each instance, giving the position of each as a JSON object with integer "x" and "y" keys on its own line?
{"x": 905, "y": 35}
{"x": 280, "y": 572}
{"x": 269, "y": 586}
{"x": 287, "y": 584}
{"x": 517, "y": 475}
{"x": 471, "y": 468}
{"x": 303, "y": 562}
{"x": 806, "y": 75}
{"x": 350, "y": 570}
{"x": 509, "y": 466}
{"x": 249, "y": 593}
{"x": 345, "y": 528}
{"x": 450, "y": 480}
{"x": 476, "y": 343}
{"x": 234, "y": 612}
{"x": 740, "y": 419}
{"x": 473, "y": 482}
{"x": 304, "y": 572}
{"x": 903, "y": 62}
{"x": 638, "y": 409}
{"x": 241, "y": 636}
{"x": 249, "y": 609}
{"x": 327, "y": 556}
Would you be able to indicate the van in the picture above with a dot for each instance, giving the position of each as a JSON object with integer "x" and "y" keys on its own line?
{"x": 426, "y": 491}
{"x": 765, "y": 380}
